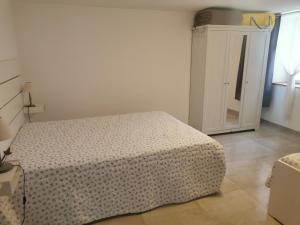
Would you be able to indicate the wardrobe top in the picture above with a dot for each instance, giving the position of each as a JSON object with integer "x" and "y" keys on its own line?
{"x": 232, "y": 28}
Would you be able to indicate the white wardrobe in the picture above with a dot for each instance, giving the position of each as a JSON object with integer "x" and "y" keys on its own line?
{"x": 227, "y": 77}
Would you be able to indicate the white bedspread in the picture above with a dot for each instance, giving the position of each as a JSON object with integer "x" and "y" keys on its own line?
{"x": 78, "y": 171}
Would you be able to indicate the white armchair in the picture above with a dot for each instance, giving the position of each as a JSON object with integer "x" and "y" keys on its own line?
{"x": 284, "y": 202}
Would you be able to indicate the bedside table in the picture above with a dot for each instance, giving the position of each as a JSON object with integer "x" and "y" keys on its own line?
{"x": 34, "y": 109}
{"x": 9, "y": 181}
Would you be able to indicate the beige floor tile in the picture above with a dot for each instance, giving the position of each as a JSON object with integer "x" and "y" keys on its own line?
{"x": 275, "y": 130}
{"x": 278, "y": 142}
{"x": 235, "y": 208}
{"x": 245, "y": 150}
{"x": 228, "y": 203}
{"x": 292, "y": 136}
{"x": 168, "y": 215}
{"x": 123, "y": 220}
{"x": 260, "y": 133}
{"x": 239, "y": 166}
{"x": 162, "y": 219}
{"x": 197, "y": 217}
{"x": 229, "y": 138}
{"x": 186, "y": 214}
{"x": 270, "y": 221}
{"x": 260, "y": 194}
{"x": 228, "y": 186}
{"x": 250, "y": 178}
{"x": 265, "y": 130}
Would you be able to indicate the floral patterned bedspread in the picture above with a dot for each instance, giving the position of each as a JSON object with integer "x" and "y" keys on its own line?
{"x": 82, "y": 170}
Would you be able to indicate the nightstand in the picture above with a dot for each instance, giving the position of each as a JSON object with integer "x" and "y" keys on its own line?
{"x": 34, "y": 109}
{"x": 9, "y": 180}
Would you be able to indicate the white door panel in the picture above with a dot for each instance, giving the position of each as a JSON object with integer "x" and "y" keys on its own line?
{"x": 254, "y": 78}
{"x": 237, "y": 61}
{"x": 216, "y": 61}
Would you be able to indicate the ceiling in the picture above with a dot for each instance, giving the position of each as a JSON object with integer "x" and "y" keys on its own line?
{"x": 186, "y": 5}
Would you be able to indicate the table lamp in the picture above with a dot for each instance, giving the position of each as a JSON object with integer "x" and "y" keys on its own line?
{"x": 5, "y": 134}
{"x": 27, "y": 88}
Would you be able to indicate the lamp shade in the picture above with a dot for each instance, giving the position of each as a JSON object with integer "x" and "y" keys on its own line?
{"x": 5, "y": 132}
{"x": 27, "y": 87}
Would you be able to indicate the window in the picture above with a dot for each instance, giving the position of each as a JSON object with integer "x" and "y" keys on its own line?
{"x": 287, "y": 60}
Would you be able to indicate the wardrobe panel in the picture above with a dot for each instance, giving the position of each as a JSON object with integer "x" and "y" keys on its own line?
{"x": 255, "y": 76}
{"x": 214, "y": 93}
{"x": 197, "y": 78}
{"x": 237, "y": 57}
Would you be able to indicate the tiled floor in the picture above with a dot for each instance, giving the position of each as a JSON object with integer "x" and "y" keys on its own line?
{"x": 244, "y": 197}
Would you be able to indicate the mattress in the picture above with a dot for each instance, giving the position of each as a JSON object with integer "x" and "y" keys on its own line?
{"x": 83, "y": 170}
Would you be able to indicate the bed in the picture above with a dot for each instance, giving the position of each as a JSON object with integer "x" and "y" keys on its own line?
{"x": 83, "y": 170}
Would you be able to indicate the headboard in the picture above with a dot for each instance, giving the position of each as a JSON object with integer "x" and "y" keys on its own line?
{"x": 11, "y": 98}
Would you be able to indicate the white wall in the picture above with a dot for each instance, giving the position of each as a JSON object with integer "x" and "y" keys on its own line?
{"x": 8, "y": 49}
{"x": 276, "y": 114}
{"x": 86, "y": 61}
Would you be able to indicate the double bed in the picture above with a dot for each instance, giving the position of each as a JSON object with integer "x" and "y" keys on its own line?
{"x": 83, "y": 170}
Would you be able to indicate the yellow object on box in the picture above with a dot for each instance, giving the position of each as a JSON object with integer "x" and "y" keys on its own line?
{"x": 259, "y": 19}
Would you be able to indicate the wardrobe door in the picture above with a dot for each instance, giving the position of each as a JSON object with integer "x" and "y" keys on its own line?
{"x": 216, "y": 58}
{"x": 235, "y": 78}
{"x": 197, "y": 79}
{"x": 255, "y": 77}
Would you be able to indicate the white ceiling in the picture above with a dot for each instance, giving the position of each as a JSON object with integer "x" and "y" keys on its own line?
{"x": 186, "y": 5}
